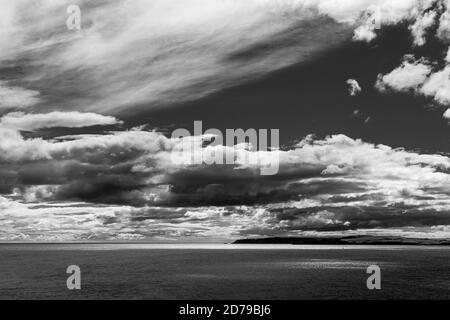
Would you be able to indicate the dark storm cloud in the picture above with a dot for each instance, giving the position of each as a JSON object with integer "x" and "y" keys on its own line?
{"x": 136, "y": 168}
{"x": 243, "y": 187}
{"x": 382, "y": 215}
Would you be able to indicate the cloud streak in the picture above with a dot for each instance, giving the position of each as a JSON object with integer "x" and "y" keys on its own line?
{"x": 135, "y": 55}
{"x": 147, "y": 54}
{"x": 30, "y": 122}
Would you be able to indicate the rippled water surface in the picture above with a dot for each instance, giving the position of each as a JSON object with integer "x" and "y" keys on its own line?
{"x": 149, "y": 271}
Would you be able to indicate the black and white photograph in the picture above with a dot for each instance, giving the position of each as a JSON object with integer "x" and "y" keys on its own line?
{"x": 249, "y": 151}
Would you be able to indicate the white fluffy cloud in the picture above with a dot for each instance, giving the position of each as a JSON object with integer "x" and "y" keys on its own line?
{"x": 421, "y": 26}
{"x": 418, "y": 77}
{"x": 385, "y": 12}
{"x": 438, "y": 86}
{"x": 410, "y": 75}
{"x": 443, "y": 31}
{"x": 354, "y": 87}
{"x": 447, "y": 114}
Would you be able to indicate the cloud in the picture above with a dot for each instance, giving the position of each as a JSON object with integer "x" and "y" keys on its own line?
{"x": 30, "y": 122}
{"x": 354, "y": 87}
{"x": 417, "y": 76}
{"x": 377, "y": 14}
{"x": 132, "y": 55}
{"x": 443, "y": 31}
{"x": 447, "y": 56}
{"x": 438, "y": 86}
{"x": 17, "y": 97}
{"x": 137, "y": 167}
{"x": 410, "y": 75}
{"x": 422, "y": 76}
{"x": 421, "y": 26}
{"x": 126, "y": 185}
{"x": 447, "y": 114}
{"x": 364, "y": 33}
{"x": 147, "y": 54}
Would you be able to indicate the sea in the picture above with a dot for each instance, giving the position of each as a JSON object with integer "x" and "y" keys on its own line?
{"x": 223, "y": 271}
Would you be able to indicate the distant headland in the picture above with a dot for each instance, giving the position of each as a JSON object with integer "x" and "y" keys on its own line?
{"x": 345, "y": 240}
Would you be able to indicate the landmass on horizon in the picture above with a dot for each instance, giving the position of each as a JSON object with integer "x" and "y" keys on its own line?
{"x": 353, "y": 240}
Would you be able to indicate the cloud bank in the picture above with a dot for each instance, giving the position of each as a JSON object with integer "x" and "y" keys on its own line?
{"x": 127, "y": 184}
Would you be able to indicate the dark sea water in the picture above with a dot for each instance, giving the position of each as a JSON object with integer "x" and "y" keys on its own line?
{"x": 142, "y": 271}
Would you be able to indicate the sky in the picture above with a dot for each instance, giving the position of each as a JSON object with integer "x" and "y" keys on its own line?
{"x": 358, "y": 89}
